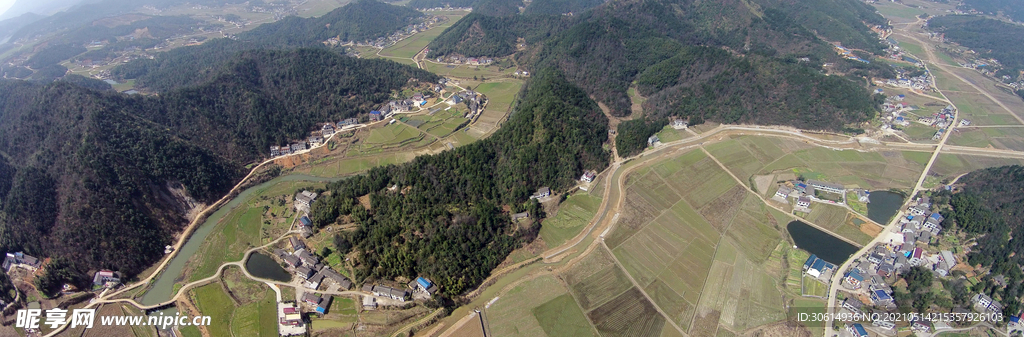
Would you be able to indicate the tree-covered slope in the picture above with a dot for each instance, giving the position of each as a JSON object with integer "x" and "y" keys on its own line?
{"x": 266, "y": 97}
{"x": 87, "y": 175}
{"x": 447, "y": 222}
{"x": 992, "y": 38}
{"x": 605, "y": 49}
{"x": 86, "y": 179}
{"x": 990, "y": 209}
{"x": 357, "y": 21}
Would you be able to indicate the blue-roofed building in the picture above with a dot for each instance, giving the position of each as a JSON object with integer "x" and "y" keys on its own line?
{"x": 857, "y": 330}
{"x": 817, "y": 268}
{"x": 881, "y": 297}
{"x": 375, "y": 115}
{"x": 809, "y": 262}
{"x": 901, "y": 96}
{"x": 853, "y": 279}
{"x": 306, "y": 221}
{"x": 325, "y": 303}
{"x": 1014, "y": 321}
{"x": 423, "y": 284}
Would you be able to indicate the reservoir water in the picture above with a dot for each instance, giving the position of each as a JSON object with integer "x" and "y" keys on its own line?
{"x": 883, "y": 206}
{"x": 824, "y": 245}
{"x": 263, "y": 266}
{"x": 163, "y": 288}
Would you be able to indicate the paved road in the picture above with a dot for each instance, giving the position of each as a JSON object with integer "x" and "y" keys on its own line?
{"x": 837, "y": 277}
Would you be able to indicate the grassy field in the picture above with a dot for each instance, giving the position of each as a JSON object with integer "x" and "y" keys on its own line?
{"x": 561, "y": 317}
{"x": 898, "y": 10}
{"x": 668, "y": 134}
{"x": 919, "y": 132}
{"x": 212, "y": 301}
{"x": 812, "y": 287}
{"x": 1010, "y": 138}
{"x": 441, "y": 123}
{"x": 912, "y": 48}
{"x": 951, "y": 165}
{"x": 412, "y": 45}
{"x": 467, "y": 71}
{"x": 828, "y": 216}
{"x": 573, "y": 215}
{"x": 513, "y": 313}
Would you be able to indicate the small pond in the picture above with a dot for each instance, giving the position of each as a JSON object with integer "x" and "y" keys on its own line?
{"x": 263, "y": 266}
{"x": 824, "y": 245}
{"x": 883, "y": 206}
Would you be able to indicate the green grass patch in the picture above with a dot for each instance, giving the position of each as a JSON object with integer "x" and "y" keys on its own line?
{"x": 561, "y": 317}
{"x": 212, "y": 301}
{"x": 573, "y": 215}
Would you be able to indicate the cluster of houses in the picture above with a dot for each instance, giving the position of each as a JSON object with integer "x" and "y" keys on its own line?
{"x": 846, "y": 53}
{"x": 895, "y": 111}
{"x": 386, "y": 41}
{"x": 319, "y": 304}
{"x": 315, "y": 139}
{"x": 919, "y": 83}
{"x": 307, "y": 266}
{"x": 805, "y": 192}
{"x": 459, "y": 59}
{"x": 21, "y": 260}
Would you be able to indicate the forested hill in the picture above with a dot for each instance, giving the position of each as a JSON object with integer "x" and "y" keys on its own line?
{"x": 603, "y": 50}
{"x": 84, "y": 180}
{"x": 1010, "y": 8}
{"x": 357, "y": 21}
{"x": 85, "y": 175}
{"x": 992, "y": 38}
{"x": 266, "y": 97}
{"x": 990, "y": 208}
{"x": 447, "y": 222}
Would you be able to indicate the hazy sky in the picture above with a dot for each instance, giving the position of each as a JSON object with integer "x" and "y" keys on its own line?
{"x": 5, "y": 5}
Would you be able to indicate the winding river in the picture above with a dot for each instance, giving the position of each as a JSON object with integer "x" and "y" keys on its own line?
{"x": 163, "y": 288}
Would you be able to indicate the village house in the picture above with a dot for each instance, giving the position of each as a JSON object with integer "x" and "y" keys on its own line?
{"x": 852, "y": 280}
{"x": 315, "y": 141}
{"x": 541, "y": 193}
{"x": 880, "y": 297}
{"x": 920, "y": 325}
{"x": 341, "y": 280}
{"x": 679, "y": 124}
{"x": 347, "y": 122}
{"x": 853, "y": 305}
{"x": 313, "y": 282}
{"x": 289, "y": 320}
{"x": 327, "y": 130}
{"x": 298, "y": 147}
{"x": 803, "y": 202}
{"x": 369, "y": 302}
{"x": 588, "y": 176}
{"x": 883, "y": 324}
{"x": 296, "y": 243}
{"x": 292, "y": 261}
{"x": 520, "y": 215}
{"x": 916, "y": 257}
{"x": 304, "y": 200}
{"x": 857, "y": 330}
{"x": 827, "y": 187}
{"x": 105, "y": 277}
{"x": 383, "y": 291}
{"x": 306, "y": 257}
{"x": 21, "y": 260}
{"x": 275, "y": 151}
{"x": 375, "y": 116}
{"x": 817, "y": 267}
{"x": 653, "y": 140}
{"x": 424, "y": 285}
{"x": 783, "y": 192}
{"x": 304, "y": 272}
